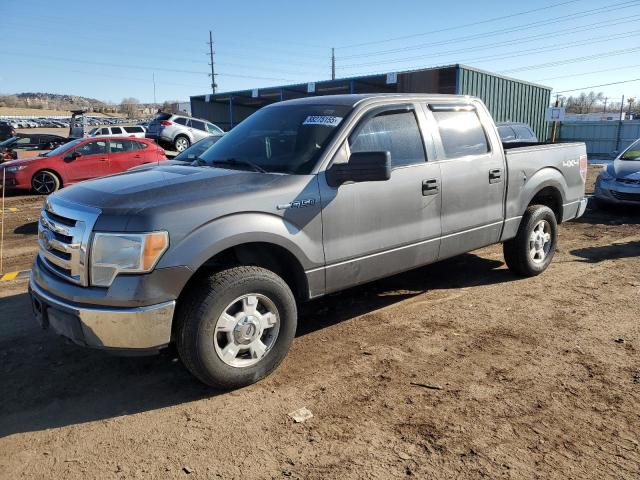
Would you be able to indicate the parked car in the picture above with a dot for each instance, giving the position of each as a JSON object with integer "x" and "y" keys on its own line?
{"x": 7, "y": 130}
{"x": 33, "y": 141}
{"x": 304, "y": 198}
{"x": 135, "y": 131}
{"x": 515, "y": 132}
{"x": 79, "y": 160}
{"x": 179, "y": 131}
{"x": 619, "y": 181}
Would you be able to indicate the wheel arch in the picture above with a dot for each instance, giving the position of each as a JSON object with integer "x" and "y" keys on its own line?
{"x": 48, "y": 170}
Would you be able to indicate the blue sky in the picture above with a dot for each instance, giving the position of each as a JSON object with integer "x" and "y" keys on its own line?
{"x": 110, "y": 50}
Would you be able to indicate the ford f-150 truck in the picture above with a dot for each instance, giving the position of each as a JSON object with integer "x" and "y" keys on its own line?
{"x": 304, "y": 198}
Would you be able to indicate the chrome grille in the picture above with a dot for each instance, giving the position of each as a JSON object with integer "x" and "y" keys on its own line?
{"x": 64, "y": 232}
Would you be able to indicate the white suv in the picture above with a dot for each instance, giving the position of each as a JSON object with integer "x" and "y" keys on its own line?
{"x": 136, "y": 131}
{"x": 180, "y": 131}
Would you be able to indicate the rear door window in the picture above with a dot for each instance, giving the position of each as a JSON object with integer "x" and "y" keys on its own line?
{"x": 506, "y": 133}
{"x": 395, "y": 131}
{"x": 524, "y": 133}
{"x": 461, "y": 132}
{"x": 116, "y": 130}
{"x": 198, "y": 125}
{"x": 120, "y": 146}
{"x": 104, "y": 131}
{"x": 181, "y": 121}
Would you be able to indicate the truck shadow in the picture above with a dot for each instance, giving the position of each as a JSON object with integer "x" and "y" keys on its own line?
{"x": 48, "y": 383}
{"x": 610, "y": 215}
{"x": 608, "y": 252}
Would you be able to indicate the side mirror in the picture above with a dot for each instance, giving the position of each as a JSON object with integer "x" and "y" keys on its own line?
{"x": 72, "y": 156}
{"x": 361, "y": 167}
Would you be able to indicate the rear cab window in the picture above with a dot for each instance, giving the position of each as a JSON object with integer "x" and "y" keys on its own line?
{"x": 461, "y": 130}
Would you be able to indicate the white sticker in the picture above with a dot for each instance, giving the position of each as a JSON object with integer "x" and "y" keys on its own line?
{"x": 328, "y": 120}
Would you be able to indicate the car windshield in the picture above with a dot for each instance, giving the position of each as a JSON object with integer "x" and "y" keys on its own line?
{"x": 633, "y": 152}
{"x": 280, "y": 138}
{"x": 62, "y": 148}
{"x": 8, "y": 141}
{"x": 196, "y": 150}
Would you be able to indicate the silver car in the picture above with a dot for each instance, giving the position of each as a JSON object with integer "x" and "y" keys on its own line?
{"x": 180, "y": 131}
{"x": 619, "y": 182}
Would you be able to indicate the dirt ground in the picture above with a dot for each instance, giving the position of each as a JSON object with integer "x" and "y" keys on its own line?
{"x": 455, "y": 370}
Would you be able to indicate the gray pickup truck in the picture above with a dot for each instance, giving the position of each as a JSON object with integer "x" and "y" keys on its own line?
{"x": 304, "y": 198}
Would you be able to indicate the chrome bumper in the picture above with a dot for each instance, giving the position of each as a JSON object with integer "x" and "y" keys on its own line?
{"x": 141, "y": 328}
{"x": 582, "y": 207}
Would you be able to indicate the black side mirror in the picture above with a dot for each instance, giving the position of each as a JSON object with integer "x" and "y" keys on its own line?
{"x": 72, "y": 156}
{"x": 361, "y": 167}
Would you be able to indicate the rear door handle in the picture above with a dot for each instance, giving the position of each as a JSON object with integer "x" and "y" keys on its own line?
{"x": 495, "y": 175}
{"x": 430, "y": 187}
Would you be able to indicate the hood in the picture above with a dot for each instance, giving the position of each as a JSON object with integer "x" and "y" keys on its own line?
{"x": 625, "y": 168}
{"x": 21, "y": 161}
{"x": 153, "y": 198}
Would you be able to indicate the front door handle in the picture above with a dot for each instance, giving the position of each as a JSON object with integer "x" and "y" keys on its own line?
{"x": 430, "y": 187}
{"x": 495, "y": 175}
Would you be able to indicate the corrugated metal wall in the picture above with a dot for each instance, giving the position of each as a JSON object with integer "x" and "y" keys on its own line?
{"x": 508, "y": 100}
{"x": 602, "y": 138}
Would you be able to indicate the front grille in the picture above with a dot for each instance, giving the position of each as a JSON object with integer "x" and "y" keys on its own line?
{"x": 628, "y": 181}
{"x": 627, "y": 197}
{"x": 64, "y": 232}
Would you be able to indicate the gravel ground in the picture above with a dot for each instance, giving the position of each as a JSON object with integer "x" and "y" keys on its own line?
{"x": 455, "y": 370}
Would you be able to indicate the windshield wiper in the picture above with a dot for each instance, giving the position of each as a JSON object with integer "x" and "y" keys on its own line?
{"x": 199, "y": 162}
{"x": 237, "y": 161}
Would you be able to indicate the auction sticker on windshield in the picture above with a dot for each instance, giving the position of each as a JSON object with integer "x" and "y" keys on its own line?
{"x": 328, "y": 120}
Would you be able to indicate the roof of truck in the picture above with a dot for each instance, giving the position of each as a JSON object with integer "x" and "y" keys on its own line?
{"x": 352, "y": 100}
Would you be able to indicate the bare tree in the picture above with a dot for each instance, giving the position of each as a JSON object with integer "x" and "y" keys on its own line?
{"x": 130, "y": 106}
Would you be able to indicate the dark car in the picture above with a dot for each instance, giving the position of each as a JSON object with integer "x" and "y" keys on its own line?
{"x": 33, "y": 141}
{"x": 514, "y": 132}
{"x": 6, "y": 131}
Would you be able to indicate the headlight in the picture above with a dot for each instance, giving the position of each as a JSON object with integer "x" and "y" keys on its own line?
{"x": 605, "y": 175}
{"x": 114, "y": 253}
{"x": 16, "y": 168}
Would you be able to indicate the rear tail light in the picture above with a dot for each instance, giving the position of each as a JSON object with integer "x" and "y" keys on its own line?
{"x": 165, "y": 123}
{"x": 584, "y": 166}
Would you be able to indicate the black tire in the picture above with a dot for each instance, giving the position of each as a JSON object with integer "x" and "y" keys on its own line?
{"x": 200, "y": 310}
{"x": 177, "y": 143}
{"x": 517, "y": 251}
{"x": 45, "y": 182}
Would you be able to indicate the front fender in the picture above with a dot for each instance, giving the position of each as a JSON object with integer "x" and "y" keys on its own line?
{"x": 205, "y": 242}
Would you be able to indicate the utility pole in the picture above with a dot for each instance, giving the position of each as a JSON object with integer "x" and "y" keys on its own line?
{"x": 333, "y": 63}
{"x": 605, "y": 104}
{"x": 213, "y": 73}
{"x": 154, "y": 89}
{"x": 554, "y": 126}
{"x": 619, "y": 133}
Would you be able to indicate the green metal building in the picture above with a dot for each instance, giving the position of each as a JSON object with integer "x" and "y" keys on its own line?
{"x": 508, "y": 99}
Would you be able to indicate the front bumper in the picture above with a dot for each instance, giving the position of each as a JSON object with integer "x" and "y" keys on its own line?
{"x": 137, "y": 328}
{"x": 613, "y": 192}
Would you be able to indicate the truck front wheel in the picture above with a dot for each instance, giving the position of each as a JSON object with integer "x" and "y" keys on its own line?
{"x": 531, "y": 251}
{"x": 236, "y": 326}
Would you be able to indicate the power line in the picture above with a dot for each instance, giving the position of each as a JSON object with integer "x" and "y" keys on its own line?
{"x": 473, "y": 24}
{"x": 496, "y": 44}
{"x": 596, "y": 56}
{"x": 139, "y": 67}
{"x": 626, "y": 67}
{"x": 528, "y": 26}
{"x": 601, "y": 85}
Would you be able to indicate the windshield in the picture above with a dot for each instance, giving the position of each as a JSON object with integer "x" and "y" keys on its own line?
{"x": 633, "y": 152}
{"x": 283, "y": 139}
{"x": 8, "y": 141}
{"x": 62, "y": 148}
{"x": 196, "y": 150}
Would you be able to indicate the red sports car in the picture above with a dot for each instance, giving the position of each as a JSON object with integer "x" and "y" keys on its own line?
{"x": 79, "y": 160}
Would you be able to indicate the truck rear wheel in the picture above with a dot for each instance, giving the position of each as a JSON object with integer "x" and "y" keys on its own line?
{"x": 531, "y": 251}
{"x": 236, "y": 326}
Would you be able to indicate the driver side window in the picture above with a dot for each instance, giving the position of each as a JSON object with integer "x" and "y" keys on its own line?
{"x": 93, "y": 148}
{"x": 395, "y": 131}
